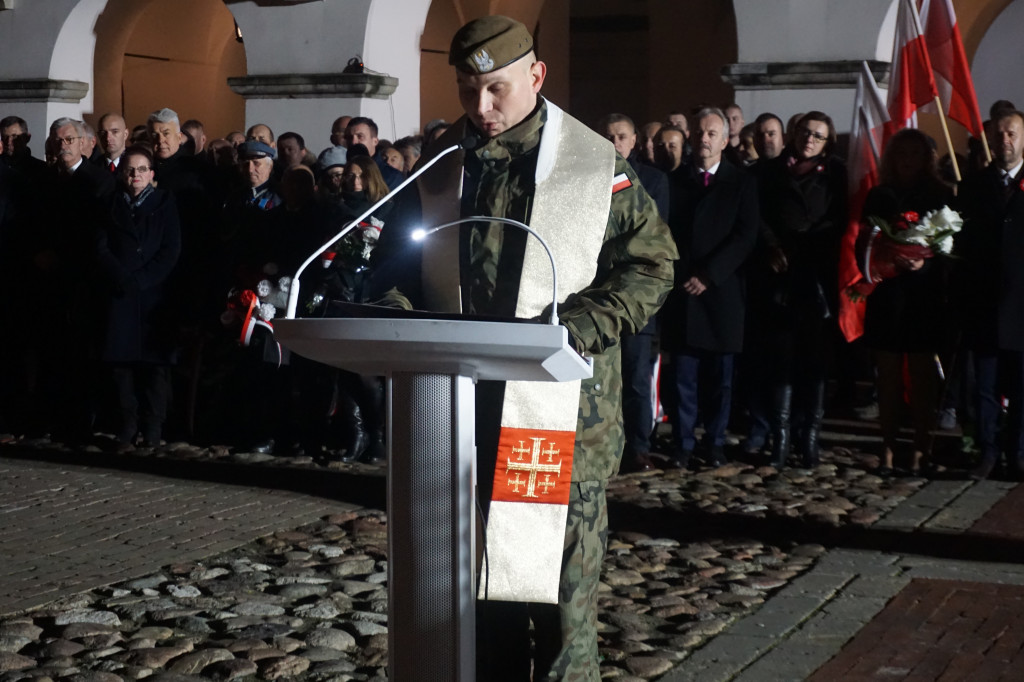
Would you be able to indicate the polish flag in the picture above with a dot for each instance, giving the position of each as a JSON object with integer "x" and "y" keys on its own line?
{"x": 949, "y": 64}
{"x": 870, "y": 120}
{"x": 911, "y": 83}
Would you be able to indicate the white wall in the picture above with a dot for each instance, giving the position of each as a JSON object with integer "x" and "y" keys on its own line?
{"x": 43, "y": 21}
{"x": 311, "y": 37}
{"x": 321, "y": 37}
{"x": 29, "y": 37}
{"x": 393, "y": 32}
{"x": 836, "y": 103}
{"x": 809, "y": 30}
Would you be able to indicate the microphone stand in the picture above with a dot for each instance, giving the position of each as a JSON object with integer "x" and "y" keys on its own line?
{"x": 293, "y": 294}
{"x": 421, "y": 234}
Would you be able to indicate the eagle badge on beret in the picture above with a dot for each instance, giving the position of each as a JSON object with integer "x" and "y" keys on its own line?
{"x": 483, "y": 61}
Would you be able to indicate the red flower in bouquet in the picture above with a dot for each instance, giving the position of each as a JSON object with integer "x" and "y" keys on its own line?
{"x": 247, "y": 299}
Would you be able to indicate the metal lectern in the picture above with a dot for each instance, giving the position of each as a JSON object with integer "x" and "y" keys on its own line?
{"x": 431, "y": 366}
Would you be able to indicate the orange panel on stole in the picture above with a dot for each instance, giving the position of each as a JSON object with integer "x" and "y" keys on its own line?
{"x": 534, "y": 465}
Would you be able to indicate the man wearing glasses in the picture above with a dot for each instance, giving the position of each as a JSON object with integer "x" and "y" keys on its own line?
{"x": 70, "y": 210}
{"x": 16, "y": 155}
{"x": 68, "y": 142}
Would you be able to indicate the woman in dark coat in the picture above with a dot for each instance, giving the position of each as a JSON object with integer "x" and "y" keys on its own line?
{"x": 792, "y": 284}
{"x": 357, "y": 402}
{"x": 136, "y": 254}
{"x": 906, "y": 315}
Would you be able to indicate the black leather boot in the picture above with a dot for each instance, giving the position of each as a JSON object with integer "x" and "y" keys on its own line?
{"x": 354, "y": 438}
{"x": 372, "y": 406}
{"x": 815, "y": 413}
{"x": 782, "y": 397}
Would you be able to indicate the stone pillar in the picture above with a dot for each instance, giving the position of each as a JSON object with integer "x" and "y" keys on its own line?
{"x": 309, "y": 103}
{"x": 786, "y": 88}
{"x": 798, "y": 55}
{"x": 296, "y": 52}
{"x": 40, "y": 82}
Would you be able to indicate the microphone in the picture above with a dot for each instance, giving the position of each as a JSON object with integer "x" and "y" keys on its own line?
{"x": 420, "y": 234}
{"x": 468, "y": 142}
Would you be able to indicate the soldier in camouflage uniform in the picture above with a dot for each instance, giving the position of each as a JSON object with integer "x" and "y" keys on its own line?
{"x": 634, "y": 274}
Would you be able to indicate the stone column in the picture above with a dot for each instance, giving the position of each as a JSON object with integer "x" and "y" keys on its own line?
{"x": 799, "y": 55}
{"x": 786, "y": 88}
{"x": 296, "y": 54}
{"x": 48, "y": 72}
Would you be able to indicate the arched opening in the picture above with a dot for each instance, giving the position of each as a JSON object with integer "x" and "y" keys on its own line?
{"x": 1000, "y": 48}
{"x": 169, "y": 53}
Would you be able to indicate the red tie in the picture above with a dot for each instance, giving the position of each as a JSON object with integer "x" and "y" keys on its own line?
{"x": 707, "y": 178}
{"x": 113, "y": 167}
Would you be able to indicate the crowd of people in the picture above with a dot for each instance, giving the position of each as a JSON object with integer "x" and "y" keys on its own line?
{"x": 759, "y": 212}
{"x": 145, "y": 263}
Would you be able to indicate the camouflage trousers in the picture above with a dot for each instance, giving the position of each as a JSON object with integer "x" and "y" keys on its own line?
{"x": 564, "y": 634}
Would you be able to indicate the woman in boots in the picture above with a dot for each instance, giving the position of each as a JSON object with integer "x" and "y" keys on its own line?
{"x": 348, "y": 406}
{"x": 792, "y": 285}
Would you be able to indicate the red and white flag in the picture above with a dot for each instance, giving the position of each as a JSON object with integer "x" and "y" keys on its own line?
{"x": 866, "y": 139}
{"x": 949, "y": 64}
{"x": 911, "y": 83}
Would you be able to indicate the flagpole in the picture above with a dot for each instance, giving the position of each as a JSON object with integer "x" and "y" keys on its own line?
{"x": 949, "y": 141}
{"x": 984, "y": 142}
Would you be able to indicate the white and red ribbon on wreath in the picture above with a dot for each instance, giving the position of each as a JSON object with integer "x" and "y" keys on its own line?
{"x": 248, "y": 300}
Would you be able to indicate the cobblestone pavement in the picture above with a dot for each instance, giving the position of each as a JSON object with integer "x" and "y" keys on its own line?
{"x": 736, "y": 573}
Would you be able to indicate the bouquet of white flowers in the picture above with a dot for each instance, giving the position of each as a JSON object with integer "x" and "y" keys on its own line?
{"x": 889, "y": 248}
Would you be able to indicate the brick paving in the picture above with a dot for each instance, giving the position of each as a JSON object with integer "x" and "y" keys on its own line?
{"x": 938, "y": 630}
{"x": 65, "y": 528}
{"x": 1004, "y": 518}
{"x": 944, "y": 600}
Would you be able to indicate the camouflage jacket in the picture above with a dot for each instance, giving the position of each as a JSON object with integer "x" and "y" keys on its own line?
{"x": 634, "y": 274}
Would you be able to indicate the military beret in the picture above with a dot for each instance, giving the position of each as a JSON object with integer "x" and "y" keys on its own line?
{"x": 488, "y": 44}
{"x": 254, "y": 149}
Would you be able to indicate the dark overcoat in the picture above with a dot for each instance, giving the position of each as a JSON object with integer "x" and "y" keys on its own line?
{"x": 990, "y": 285}
{"x": 715, "y": 229}
{"x": 136, "y": 254}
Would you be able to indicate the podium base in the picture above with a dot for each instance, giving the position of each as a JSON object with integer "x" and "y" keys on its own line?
{"x": 431, "y": 536}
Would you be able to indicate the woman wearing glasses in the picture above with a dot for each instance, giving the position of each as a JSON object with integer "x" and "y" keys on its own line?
{"x": 136, "y": 253}
{"x": 793, "y": 286}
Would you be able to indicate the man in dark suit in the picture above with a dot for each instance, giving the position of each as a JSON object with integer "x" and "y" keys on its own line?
{"x": 991, "y": 250}
{"x": 10, "y": 376}
{"x": 714, "y": 219}
{"x": 637, "y": 349}
{"x": 113, "y": 137}
{"x": 72, "y": 176}
{"x": 71, "y": 209}
{"x": 363, "y": 130}
{"x": 16, "y": 155}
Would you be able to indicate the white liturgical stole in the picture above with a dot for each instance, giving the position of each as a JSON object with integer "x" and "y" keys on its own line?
{"x": 526, "y": 522}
